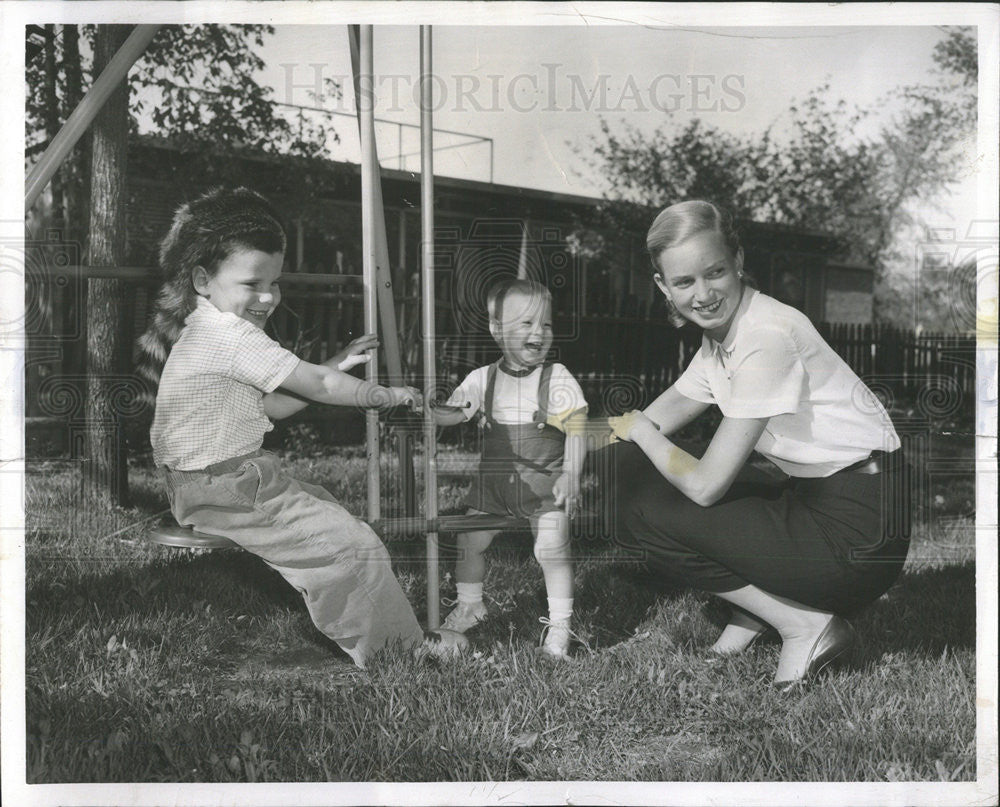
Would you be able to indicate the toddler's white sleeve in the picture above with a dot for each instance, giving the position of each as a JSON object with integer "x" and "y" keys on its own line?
{"x": 565, "y": 394}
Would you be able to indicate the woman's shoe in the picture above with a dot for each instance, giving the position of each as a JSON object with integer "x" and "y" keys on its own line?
{"x": 830, "y": 646}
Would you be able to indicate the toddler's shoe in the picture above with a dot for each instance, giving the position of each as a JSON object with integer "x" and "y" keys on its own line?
{"x": 555, "y": 638}
{"x": 464, "y": 617}
{"x": 443, "y": 643}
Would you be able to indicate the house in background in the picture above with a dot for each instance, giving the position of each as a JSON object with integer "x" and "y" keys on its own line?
{"x": 601, "y": 283}
{"x": 483, "y": 229}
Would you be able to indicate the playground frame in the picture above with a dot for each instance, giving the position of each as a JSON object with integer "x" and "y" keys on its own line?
{"x": 377, "y": 281}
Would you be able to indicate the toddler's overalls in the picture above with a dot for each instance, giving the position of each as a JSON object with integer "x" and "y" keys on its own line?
{"x": 520, "y": 462}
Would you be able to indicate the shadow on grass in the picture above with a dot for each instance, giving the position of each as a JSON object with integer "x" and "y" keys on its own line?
{"x": 927, "y": 611}
{"x": 226, "y": 580}
{"x": 223, "y": 585}
{"x": 149, "y": 499}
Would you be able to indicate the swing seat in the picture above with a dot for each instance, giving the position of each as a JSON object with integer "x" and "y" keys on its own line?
{"x": 417, "y": 525}
{"x": 173, "y": 535}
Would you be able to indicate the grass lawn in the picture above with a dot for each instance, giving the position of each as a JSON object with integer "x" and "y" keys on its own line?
{"x": 148, "y": 664}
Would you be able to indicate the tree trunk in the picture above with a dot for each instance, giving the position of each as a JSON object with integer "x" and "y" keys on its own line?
{"x": 108, "y": 389}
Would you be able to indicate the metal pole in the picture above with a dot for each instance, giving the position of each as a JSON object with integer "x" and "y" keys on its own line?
{"x": 386, "y": 306}
{"x": 86, "y": 111}
{"x": 385, "y": 302}
{"x": 366, "y": 110}
{"x": 429, "y": 353}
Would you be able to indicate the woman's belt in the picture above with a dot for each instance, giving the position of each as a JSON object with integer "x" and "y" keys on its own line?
{"x": 874, "y": 463}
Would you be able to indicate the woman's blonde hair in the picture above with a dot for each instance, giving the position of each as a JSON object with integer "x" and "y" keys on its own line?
{"x": 680, "y": 221}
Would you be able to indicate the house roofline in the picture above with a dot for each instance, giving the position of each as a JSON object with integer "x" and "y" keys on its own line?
{"x": 500, "y": 189}
{"x": 155, "y": 141}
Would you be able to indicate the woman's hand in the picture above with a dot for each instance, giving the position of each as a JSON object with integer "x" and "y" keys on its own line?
{"x": 624, "y": 427}
{"x": 355, "y": 353}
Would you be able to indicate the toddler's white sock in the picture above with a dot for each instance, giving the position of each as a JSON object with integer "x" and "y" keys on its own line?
{"x": 560, "y": 609}
{"x": 470, "y": 593}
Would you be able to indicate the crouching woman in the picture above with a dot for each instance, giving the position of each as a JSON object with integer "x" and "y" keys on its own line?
{"x": 795, "y": 556}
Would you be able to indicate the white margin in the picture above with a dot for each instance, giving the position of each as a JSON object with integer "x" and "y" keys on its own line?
{"x": 13, "y": 16}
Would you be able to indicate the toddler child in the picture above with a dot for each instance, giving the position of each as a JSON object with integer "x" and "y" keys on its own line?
{"x": 216, "y": 395}
{"x": 528, "y": 408}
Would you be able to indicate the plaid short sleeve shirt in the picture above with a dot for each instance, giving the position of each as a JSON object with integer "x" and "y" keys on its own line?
{"x": 209, "y": 406}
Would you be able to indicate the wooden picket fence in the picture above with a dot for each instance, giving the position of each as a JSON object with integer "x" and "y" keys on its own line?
{"x": 935, "y": 371}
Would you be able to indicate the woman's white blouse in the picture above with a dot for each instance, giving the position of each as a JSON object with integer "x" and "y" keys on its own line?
{"x": 774, "y": 364}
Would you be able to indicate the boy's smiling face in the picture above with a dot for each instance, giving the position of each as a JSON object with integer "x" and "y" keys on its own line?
{"x": 523, "y": 329}
{"x": 245, "y": 284}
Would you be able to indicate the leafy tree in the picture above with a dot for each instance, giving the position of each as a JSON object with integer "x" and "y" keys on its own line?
{"x": 818, "y": 173}
{"x": 55, "y": 79}
{"x": 697, "y": 161}
{"x": 924, "y": 144}
{"x": 197, "y": 88}
{"x": 958, "y": 55}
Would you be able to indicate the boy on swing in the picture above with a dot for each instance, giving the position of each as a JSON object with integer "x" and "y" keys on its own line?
{"x": 533, "y": 414}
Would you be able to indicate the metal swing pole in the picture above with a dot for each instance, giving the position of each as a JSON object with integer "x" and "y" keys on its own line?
{"x": 382, "y": 276}
{"x": 389, "y": 339}
{"x": 86, "y": 111}
{"x": 366, "y": 112}
{"x": 427, "y": 298}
